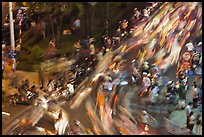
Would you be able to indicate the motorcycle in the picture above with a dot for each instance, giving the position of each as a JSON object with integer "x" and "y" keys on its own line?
{"x": 19, "y": 99}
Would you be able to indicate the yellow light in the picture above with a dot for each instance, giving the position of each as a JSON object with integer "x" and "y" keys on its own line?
{"x": 124, "y": 48}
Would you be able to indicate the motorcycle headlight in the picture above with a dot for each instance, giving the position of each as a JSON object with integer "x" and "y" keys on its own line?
{"x": 64, "y": 94}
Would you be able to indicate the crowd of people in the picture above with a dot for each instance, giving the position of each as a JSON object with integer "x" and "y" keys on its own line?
{"x": 144, "y": 74}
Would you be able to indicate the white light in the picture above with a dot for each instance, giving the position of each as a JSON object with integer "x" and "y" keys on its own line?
{"x": 5, "y": 113}
{"x": 40, "y": 129}
{"x": 97, "y": 76}
{"x": 123, "y": 83}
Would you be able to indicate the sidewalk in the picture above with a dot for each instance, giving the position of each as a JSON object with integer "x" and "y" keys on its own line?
{"x": 22, "y": 75}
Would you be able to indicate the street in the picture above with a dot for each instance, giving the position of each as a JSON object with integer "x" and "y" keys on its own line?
{"x": 122, "y": 102}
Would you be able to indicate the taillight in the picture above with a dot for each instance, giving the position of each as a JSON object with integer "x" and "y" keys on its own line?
{"x": 23, "y": 98}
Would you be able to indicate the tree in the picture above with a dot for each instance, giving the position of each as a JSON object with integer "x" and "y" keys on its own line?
{"x": 92, "y": 16}
{"x": 106, "y": 10}
{"x": 55, "y": 13}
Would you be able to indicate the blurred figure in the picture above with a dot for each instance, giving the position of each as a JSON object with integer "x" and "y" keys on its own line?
{"x": 154, "y": 93}
{"x": 189, "y": 46}
{"x": 146, "y": 82}
{"x": 195, "y": 94}
{"x": 124, "y": 25}
{"x": 188, "y": 110}
{"x": 61, "y": 124}
{"x": 141, "y": 55}
{"x": 3, "y": 68}
{"x": 77, "y": 25}
{"x": 92, "y": 48}
{"x": 171, "y": 93}
{"x": 146, "y": 13}
{"x": 77, "y": 48}
{"x": 145, "y": 117}
{"x": 198, "y": 125}
{"x": 191, "y": 121}
{"x": 51, "y": 43}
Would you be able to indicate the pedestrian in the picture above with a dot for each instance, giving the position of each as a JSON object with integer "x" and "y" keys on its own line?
{"x": 191, "y": 121}
{"x": 77, "y": 48}
{"x": 188, "y": 110}
{"x": 43, "y": 28}
{"x": 145, "y": 13}
{"x": 154, "y": 93}
{"x": 146, "y": 83}
{"x": 92, "y": 48}
{"x": 195, "y": 94}
{"x": 14, "y": 64}
{"x": 124, "y": 25}
{"x": 106, "y": 24}
{"x": 181, "y": 91}
{"x": 33, "y": 26}
{"x": 77, "y": 24}
{"x": 196, "y": 58}
{"x": 2, "y": 68}
{"x": 85, "y": 43}
{"x": 51, "y": 43}
{"x": 18, "y": 48}
{"x": 145, "y": 117}
{"x": 198, "y": 125}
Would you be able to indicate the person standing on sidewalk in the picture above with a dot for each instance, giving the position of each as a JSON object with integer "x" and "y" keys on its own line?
{"x": 14, "y": 64}
{"x": 188, "y": 110}
{"x": 195, "y": 94}
{"x": 191, "y": 121}
{"x": 198, "y": 125}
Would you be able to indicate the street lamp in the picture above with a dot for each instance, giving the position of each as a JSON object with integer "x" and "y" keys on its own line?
{"x": 12, "y": 36}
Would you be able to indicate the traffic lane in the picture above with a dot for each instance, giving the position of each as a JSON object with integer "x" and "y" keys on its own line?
{"x": 27, "y": 117}
{"x": 13, "y": 110}
{"x": 78, "y": 114}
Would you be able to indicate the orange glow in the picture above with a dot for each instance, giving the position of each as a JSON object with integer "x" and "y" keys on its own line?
{"x": 158, "y": 61}
{"x": 92, "y": 115}
{"x": 112, "y": 65}
{"x": 143, "y": 92}
{"x": 123, "y": 130}
{"x": 96, "y": 130}
{"x": 162, "y": 40}
{"x": 115, "y": 99}
{"x": 187, "y": 14}
{"x": 183, "y": 41}
{"x": 101, "y": 99}
{"x": 91, "y": 82}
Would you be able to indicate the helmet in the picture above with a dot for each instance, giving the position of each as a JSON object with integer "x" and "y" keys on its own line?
{"x": 146, "y": 63}
{"x": 77, "y": 122}
{"x": 170, "y": 82}
{"x": 144, "y": 73}
{"x": 199, "y": 44}
{"x": 145, "y": 112}
{"x": 146, "y": 66}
